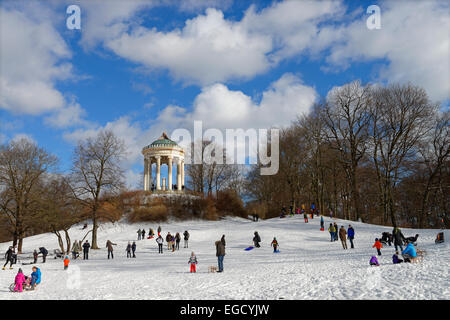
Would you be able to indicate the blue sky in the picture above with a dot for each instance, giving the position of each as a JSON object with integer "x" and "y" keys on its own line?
{"x": 139, "y": 67}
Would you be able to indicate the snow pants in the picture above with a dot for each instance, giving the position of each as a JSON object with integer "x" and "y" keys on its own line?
{"x": 193, "y": 268}
{"x": 19, "y": 287}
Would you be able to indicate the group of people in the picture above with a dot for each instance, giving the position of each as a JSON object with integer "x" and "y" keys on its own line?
{"x": 29, "y": 282}
{"x": 292, "y": 211}
{"x": 337, "y": 233}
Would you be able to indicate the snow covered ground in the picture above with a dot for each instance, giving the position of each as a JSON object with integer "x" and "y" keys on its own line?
{"x": 308, "y": 267}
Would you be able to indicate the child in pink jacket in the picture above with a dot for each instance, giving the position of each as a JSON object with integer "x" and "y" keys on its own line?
{"x": 20, "y": 279}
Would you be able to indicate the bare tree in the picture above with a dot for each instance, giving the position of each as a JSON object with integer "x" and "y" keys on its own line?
{"x": 346, "y": 126}
{"x": 97, "y": 170}
{"x": 400, "y": 117}
{"x": 22, "y": 165}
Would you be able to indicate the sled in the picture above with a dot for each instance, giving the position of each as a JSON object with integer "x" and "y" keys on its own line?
{"x": 249, "y": 248}
{"x": 322, "y": 229}
{"x": 150, "y": 237}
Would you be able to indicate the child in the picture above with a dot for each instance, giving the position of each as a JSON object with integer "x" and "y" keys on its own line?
{"x": 274, "y": 244}
{"x": 374, "y": 261}
{"x": 192, "y": 261}
{"x": 395, "y": 258}
{"x": 35, "y": 256}
{"x": 35, "y": 277}
{"x": 19, "y": 280}
{"x": 66, "y": 263}
{"x": 378, "y": 245}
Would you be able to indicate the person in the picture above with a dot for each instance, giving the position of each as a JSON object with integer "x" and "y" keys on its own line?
{"x": 172, "y": 243}
{"x": 192, "y": 261}
{"x": 35, "y": 277}
{"x": 86, "y": 247}
{"x": 169, "y": 240}
{"x": 274, "y": 244}
{"x": 143, "y": 234}
{"x": 66, "y": 263}
{"x": 351, "y": 235}
{"x": 398, "y": 238}
{"x": 409, "y": 252}
{"x": 256, "y": 239}
{"x": 395, "y": 258}
{"x": 223, "y": 240}
{"x": 84, "y": 226}
{"x": 305, "y": 216}
{"x": 336, "y": 228}
{"x": 128, "y": 250}
{"x": 257, "y": 217}
{"x": 177, "y": 240}
{"x": 343, "y": 237}
{"x": 75, "y": 249}
{"x": 44, "y": 253}
{"x": 331, "y": 214}
{"x": 220, "y": 253}
{"x": 322, "y": 223}
{"x": 133, "y": 249}
{"x": 374, "y": 261}
{"x": 160, "y": 242}
{"x": 159, "y": 230}
{"x": 331, "y": 230}
{"x": 35, "y": 256}
{"x": 19, "y": 281}
{"x": 378, "y": 245}
{"x": 151, "y": 233}
{"x": 186, "y": 238}
{"x": 110, "y": 245}
{"x": 139, "y": 232}
{"x": 9, "y": 257}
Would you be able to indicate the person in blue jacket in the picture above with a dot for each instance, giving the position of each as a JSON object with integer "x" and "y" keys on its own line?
{"x": 351, "y": 235}
{"x": 409, "y": 252}
{"x": 35, "y": 277}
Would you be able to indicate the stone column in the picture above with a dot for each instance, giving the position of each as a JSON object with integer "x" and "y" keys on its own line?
{"x": 179, "y": 174}
{"x": 182, "y": 172}
{"x": 158, "y": 173}
{"x": 146, "y": 174}
{"x": 169, "y": 174}
{"x": 149, "y": 174}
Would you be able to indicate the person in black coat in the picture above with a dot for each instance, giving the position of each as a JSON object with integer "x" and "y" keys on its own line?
{"x": 256, "y": 239}
{"x": 398, "y": 238}
{"x": 44, "y": 253}
{"x": 9, "y": 257}
{"x": 223, "y": 240}
{"x": 86, "y": 247}
{"x": 186, "y": 239}
{"x": 133, "y": 249}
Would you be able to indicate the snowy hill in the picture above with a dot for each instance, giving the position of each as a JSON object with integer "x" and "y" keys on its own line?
{"x": 308, "y": 267}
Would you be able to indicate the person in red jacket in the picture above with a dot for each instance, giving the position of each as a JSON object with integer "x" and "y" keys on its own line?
{"x": 378, "y": 245}
{"x": 193, "y": 261}
{"x": 66, "y": 263}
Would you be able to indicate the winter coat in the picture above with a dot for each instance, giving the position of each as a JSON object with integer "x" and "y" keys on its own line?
{"x": 395, "y": 259}
{"x": 342, "y": 234}
{"x": 223, "y": 241}
{"x": 377, "y": 245}
{"x": 220, "y": 248}
{"x": 159, "y": 240}
{"x": 168, "y": 238}
{"x": 128, "y": 248}
{"x": 8, "y": 254}
{"x": 331, "y": 229}
{"x": 398, "y": 236}
{"x": 86, "y": 246}
{"x": 66, "y": 262}
{"x": 43, "y": 251}
{"x": 351, "y": 233}
{"x": 133, "y": 247}
{"x": 110, "y": 245}
{"x": 256, "y": 238}
{"x": 186, "y": 235}
{"x": 374, "y": 260}
{"x": 37, "y": 276}
{"x": 20, "y": 278}
{"x": 193, "y": 260}
{"x": 410, "y": 250}
{"x": 177, "y": 237}
{"x": 274, "y": 243}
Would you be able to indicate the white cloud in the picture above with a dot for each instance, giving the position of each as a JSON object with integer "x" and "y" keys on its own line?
{"x": 32, "y": 57}
{"x": 414, "y": 38}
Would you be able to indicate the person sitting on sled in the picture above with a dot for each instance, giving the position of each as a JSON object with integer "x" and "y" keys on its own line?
{"x": 35, "y": 277}
{"x": 395, "y": 258}
{"x": 192, "y": 261}
{"x": 19, "y": 281}
{"x": 374, "y": 261}
{"x": 274, "y": 244}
